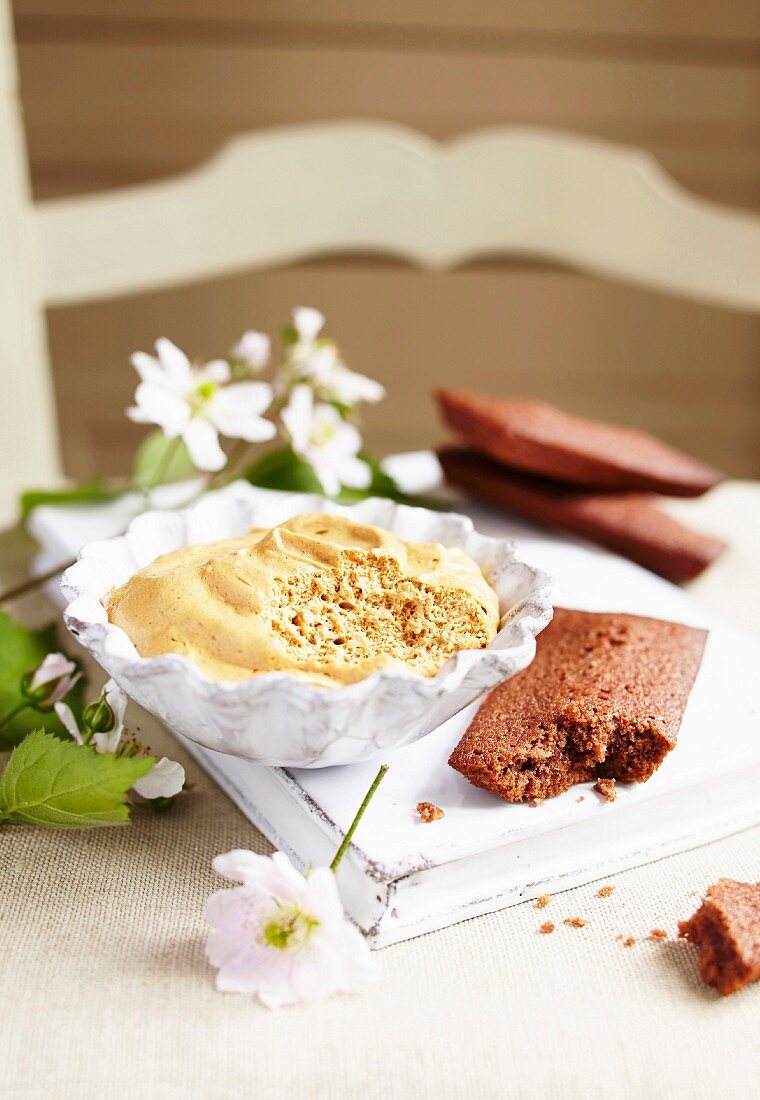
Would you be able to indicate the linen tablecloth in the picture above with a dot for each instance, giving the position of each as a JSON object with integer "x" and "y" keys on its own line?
{"x": 105, "y": 989}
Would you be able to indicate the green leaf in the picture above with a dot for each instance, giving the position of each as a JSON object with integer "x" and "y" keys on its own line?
{"x": 160, "y": 460}
{"x": 67, "y": 786}
{"x": 21, "y": 651}
{"x": 89, "y": 492}
{"x": 284, "y": 470}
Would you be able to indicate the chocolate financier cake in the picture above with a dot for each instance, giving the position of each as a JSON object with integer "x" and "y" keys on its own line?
{"x": 603, "y": 699}
{"x": 543, "y": 440}
{"x": 628, "y": 523}
{"x": 726, "y": 929}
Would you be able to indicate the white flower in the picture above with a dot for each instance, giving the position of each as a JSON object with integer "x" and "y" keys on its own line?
{"x": 116, "y": 701}
{"x": 318, "y": 433}
{"x": 318, "y": 362}
{"x": 282, "y": 935}
{"x": 165, "y": 779}
{"x": 57, "y": 671}
{"x": 308, "y": 323}
{"x": 190, "y": 402}
{"x": 347, "y": 387}
{"x": 253, "y": 349}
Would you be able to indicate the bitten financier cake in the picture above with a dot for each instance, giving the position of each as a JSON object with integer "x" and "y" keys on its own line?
{"x": 603, "y": 698}
{"x": 726, "y": 929}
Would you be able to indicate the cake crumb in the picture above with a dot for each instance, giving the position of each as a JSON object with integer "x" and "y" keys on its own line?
{"x": 542, "y": 901}
{"x": 428, "y": 811}
{"x": 604, "y": 891}
{"x": 535, "y": 802}
{"x": 629, "y": 942}
{"x": 658, "y": 934}
{"x": 606, "y": 788}
{"x": 575, "y": 922}
{"x": 581, "y": 798}
{"x": 546, "y": 928}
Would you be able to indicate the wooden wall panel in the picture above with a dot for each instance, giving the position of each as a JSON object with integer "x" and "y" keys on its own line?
{"x": 117, "y": 91}
{"x": 736, "y": 20}
{"x": 122, "y": 111}
{"x": 684, "y": 370}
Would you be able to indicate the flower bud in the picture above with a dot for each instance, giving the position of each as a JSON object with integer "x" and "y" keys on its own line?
{"x": 98, "y": 716}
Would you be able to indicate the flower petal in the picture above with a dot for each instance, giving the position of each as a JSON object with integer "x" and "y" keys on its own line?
{"x": 54, "y": 666}
{"x": 355, "y": 473}
{"x": 236, "y": 410}
{"x": 117, "y": 701}
{"x": 240, "y": 865}
{"x": 326, "y": 474}
{"x": 148, "y": 367}
{"x": 202, "y": 441}
{"x": 348, "y": 387}
{"x": 254, "y": 349}
{"x": 217, "y": 370}
{"x": 298, "y": 417}
{"x": 157, "y": 405}
{"x": 66, "y": 716}
{"x": 107, "y": 742}
{"x": 308, "y": 322}
{"x": 164, "y": 780}
{"x": 175, "y": 363}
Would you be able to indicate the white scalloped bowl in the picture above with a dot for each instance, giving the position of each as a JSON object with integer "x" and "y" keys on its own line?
{"x": 275, "y": 718}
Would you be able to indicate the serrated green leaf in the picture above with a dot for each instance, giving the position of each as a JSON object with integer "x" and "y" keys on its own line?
{"x": 160, "y": 460}
{"x": 23, "y": 650}
{"x": 67, "y": 786}
{"x": 90, "y": 492}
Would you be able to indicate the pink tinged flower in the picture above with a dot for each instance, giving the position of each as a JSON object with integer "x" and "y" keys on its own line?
{"x": 197, "y": 404}
{"x": 165, "y": 779}
{"x": 57, "y": 671}
{"x": 253, "y": 349}
{"x": 318, "y": 433}
{"x": 281, "y": 935}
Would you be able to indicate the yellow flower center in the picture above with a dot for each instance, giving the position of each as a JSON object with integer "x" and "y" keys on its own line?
{"x": 201, "y": 396}
{"x": 290, "y": 928}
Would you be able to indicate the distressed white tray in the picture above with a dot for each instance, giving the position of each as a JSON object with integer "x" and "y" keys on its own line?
{"x": 403, "y": 877}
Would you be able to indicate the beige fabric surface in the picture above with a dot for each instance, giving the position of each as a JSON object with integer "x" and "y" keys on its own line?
{"x": 105, "y": 990}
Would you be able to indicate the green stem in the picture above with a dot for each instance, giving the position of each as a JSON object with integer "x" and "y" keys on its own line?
{"x": 32, "y": 583}
{"x": 359, "y": 814}
{"x": 6, "y": 721}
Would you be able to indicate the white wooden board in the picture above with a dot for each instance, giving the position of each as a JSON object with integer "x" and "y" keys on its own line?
{"x": 403, "y": 877}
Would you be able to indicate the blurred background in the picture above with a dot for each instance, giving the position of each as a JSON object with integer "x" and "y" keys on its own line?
{"x": 119, "y": 92}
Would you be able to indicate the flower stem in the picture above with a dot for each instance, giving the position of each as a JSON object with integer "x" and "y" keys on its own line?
{"x": 359, "y": 815}
{"x": 8, "y": 718}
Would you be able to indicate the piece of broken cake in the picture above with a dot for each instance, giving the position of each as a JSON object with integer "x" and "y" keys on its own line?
{"x": 726, "y": 929}
{"x": 603, "y": 699}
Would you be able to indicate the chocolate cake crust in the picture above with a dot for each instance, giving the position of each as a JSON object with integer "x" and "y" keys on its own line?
{"x": 628, "y": 523}
{"x": 603, "y": 699}
{"x": 726, "y": 929}
{"x": 543, "y": 440}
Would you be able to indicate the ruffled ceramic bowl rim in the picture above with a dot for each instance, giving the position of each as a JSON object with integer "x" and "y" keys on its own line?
{"x": 107, "y": 563}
